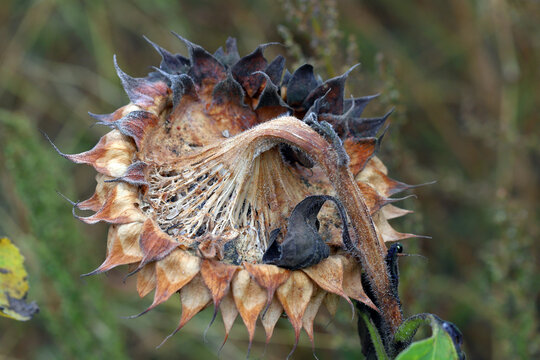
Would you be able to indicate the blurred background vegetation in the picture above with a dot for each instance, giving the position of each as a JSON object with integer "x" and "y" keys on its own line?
{"x": 463, "y": 76}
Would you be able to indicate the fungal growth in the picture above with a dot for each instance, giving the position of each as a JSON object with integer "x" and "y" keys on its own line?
{"x": 213, "y": 180}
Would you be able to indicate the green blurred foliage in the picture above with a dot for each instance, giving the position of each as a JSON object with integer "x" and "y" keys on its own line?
{"x": 463, "y": 76}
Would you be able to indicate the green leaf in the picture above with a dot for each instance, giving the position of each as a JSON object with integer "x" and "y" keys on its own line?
{"x": 13, "y": 284}
{"x": 439, "y": 346}
{"x": 375, "y": 337}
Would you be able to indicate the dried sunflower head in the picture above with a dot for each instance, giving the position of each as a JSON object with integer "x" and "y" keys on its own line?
{"x": 213, "y": 181}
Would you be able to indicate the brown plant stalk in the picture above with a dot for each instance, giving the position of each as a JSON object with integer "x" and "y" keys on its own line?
{"x": 371, "y": 254}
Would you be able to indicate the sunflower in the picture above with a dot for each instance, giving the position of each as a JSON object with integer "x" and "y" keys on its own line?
{"x": 214, "y": 178}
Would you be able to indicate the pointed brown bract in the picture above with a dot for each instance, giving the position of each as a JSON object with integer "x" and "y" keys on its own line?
{"x": 387, "y": 231}
{"x": 127, "y": 236}
{"x": 146, "y": 279}
{"x": 217, "y": 276}
{"x": 228, "y": 103}
{"x": 294, "y": 295}
{"x": 173, "y": 272}
{"x": 374, "y": 201}
{"x": 154, "y": 243}
{"x": 145, "y": 93}
{"x": 332, "y": 90}
{"x": 360, "y": 151}
{"x": 269, "y": 277}
{"x": 134, "y": 174}
{"x": 331, "y": 302}
{"x": 352, "y": 281}
{"x": 122, "y": 247}
{"x": 270, "y": 317}
{"x": 311, "y": 311}
{"x": 194, "y": 296}
{"x": 120, "y": 207}
{"x": 212, "y": 247}
{"x": 96, "y": 201}
{"x": 328, "y": 274}
{"x": 245, "y": 68}
{"x": 204, "y": 66}
{"x": 374, "y": 174}
{"x": 135, "y": 124}
{"x": 117, "y": 114}
{"x": 249, "y": 298}
{"x": 392, "y": 212}
{"x": 229, "y": 312}
{"x": 111, "y": 156}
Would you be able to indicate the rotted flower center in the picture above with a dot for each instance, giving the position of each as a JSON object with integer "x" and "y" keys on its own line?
{"x": 235, "y": 200}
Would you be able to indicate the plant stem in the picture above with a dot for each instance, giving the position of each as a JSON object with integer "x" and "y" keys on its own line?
{"x": 371, "y": 254}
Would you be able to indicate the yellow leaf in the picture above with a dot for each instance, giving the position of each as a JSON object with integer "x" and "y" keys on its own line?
{"x": 14, "y": 284}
